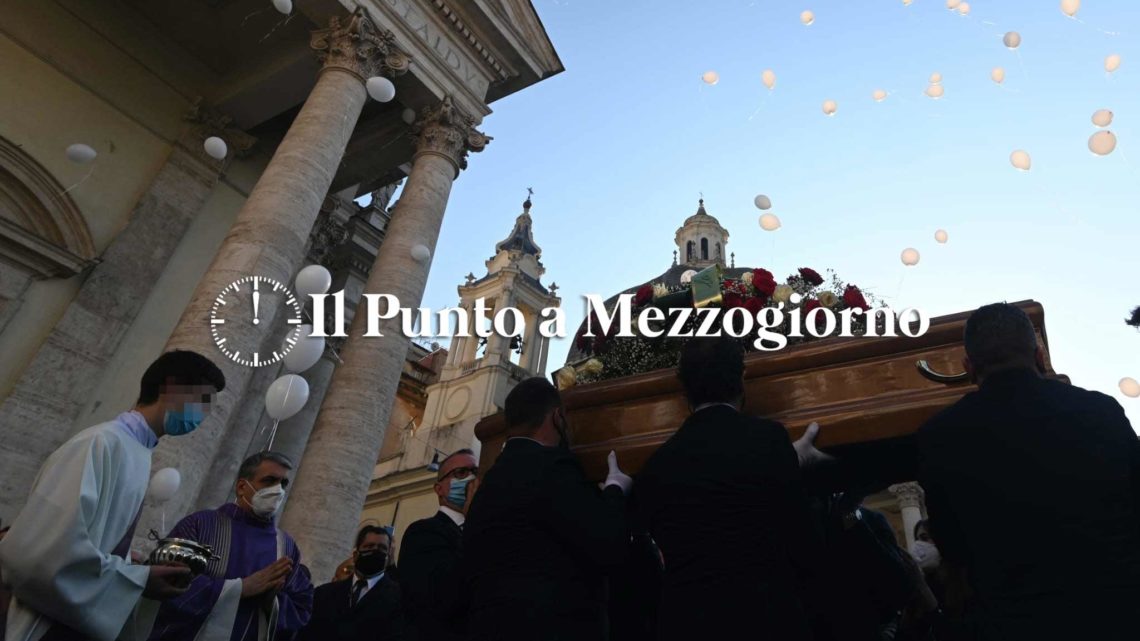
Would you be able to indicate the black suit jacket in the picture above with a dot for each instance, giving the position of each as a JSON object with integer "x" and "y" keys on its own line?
{"x": 537, "y": 542}
{"x": 722, "y": 499}
{"x": 430, "y": 577}
{"x": 1031, "y": 486}
{"x": 378, "y": 617}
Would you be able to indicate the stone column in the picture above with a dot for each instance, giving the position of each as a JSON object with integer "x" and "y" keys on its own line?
{"x": 909, "y": 496}
{"x": 50, "y": 396}
{"x": 331, "y": 486}
{"x": 269, "y": 236}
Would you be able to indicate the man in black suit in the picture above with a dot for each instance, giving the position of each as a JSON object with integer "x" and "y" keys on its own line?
{"x": 367, "y": 605}
{"x": 539, "y": 537}
{"x": 1031, "y": 488}
{"x": 723, "y": 500}
{"x": 429, "y": 557}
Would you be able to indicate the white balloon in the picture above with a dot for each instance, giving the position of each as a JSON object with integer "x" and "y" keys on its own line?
{"x": 380, "y": 89}
{"x": 807, "y": 18}
{"x": 1102, "y": 143}
{"x": 1020, "y": 160}
{"x": 408, "y": 115}
{"x": 953, "y": 4}
{"x": 941, "y": 236}
{"x": 1012, "y": 39}
{"x": 935, "y": 91}
{"x": 910, "y": 257}
{"x": 286, "y": 396}
{"x": 687, "y": 277}
{"x": 769, "y": 222}
{"x": 907, "y": 2}
{"x": 936, "y": 78}
{"x": 1130, "y": 387}
{"x": 314, "y": 279}
{"x": 215, "y": 148}
{"x": 964, "y": 8}
{"x": 306, "y": 351}
{"x": 284, "y": 6}
{"x": 421, "y": 253}
{"x": 710, "y": 77}
{"x": 1102, "y": 118}
{"x": 997, "y": 75}
{"x": 1112, "y": 63}
{"x": 830, "y": 107}
{"x": 81, "y": 154}
{"x": 164, "y": 484}
{"x": 879, "y": 95}
{"x": 768, "y": 78}
{"x": 762, "y": 202}
{"x": 1070, "y": 7}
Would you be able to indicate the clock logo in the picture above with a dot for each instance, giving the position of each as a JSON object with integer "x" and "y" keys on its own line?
{"x": 237, "y": 320}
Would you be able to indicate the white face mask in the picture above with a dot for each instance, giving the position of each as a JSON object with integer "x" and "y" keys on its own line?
{"x": 267, "y": 501}
{"x": 926, "y": 555}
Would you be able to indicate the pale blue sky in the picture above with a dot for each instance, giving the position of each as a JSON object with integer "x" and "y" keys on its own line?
{"x": 619, "y": 145}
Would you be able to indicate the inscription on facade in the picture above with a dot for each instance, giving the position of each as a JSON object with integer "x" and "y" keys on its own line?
{"x": 430, "y": 34}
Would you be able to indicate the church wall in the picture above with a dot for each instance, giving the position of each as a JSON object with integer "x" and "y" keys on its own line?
{"x": 44, "y": 111}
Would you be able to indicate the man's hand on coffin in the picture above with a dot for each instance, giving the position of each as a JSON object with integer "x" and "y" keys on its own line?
{"x": 269, "y": 578}
{"x": 166, "y": 582}
{"x": 806, "y": 451}
{"x": 616, "y": 476}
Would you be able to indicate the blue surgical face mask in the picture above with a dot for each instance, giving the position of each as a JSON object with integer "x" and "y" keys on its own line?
{"x": 184, "y": 422}
{"x": 457, "y": 492}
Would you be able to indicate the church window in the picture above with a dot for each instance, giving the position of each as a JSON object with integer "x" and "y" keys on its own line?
{"x": 704, "y": 249}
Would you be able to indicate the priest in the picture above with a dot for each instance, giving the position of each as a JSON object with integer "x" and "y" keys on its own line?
{"x": 66, "y": 556}
{"x": 256, "y": 588}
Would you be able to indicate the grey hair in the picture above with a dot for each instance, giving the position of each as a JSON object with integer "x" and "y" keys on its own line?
{"x": 249, "y": 466}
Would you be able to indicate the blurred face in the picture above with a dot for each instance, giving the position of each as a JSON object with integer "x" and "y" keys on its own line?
{"x": 267, "y": 474}
{"x": 373, "y": 542}
{"x": 923, "y": 534}
{"x": 188, "y": 398}
{"x": 458, "y": 467}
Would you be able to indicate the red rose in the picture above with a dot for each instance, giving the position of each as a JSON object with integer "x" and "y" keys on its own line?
{"x": 643, "y": 296}
{"x": 733, "y": 300}
{"x": 820, "y": 319}
{"x": 754, "y": 305}
{"x": 810, "y": 276}
{"x": 764, "y": 282}
{"x": 854, "y": 298}
{"x": 809, "y": 305}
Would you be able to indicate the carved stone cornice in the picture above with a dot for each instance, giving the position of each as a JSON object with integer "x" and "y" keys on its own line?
{"x": 359, "y": 48}
{"x": 205, "y": 121}
{"x": 462, "y": 29}
{"x": 329, "y": 232}
{"x": 447, "y": 131}
{"x": 908, "y": 494}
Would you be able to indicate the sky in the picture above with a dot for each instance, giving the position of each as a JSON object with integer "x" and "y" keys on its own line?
{"x": 619, "y": 147}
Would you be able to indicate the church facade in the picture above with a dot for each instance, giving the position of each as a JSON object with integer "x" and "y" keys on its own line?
{"x": 113, "y": 252}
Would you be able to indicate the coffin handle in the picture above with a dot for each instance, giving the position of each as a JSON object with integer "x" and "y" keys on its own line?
{"x": 946, "y": 379}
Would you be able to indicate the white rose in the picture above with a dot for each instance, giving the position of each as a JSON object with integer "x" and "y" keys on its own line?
{"x": 747, "y": 278}
{"x": 827, "y": 299}
{"x": 783, "y": 293}
{"x": 660, "y": 290}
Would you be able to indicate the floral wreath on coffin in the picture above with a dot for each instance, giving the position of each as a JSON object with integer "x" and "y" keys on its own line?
{"x": 608, "y": 356}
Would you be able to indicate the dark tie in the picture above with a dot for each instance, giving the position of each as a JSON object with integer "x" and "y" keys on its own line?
{"x": 358, "y": 590}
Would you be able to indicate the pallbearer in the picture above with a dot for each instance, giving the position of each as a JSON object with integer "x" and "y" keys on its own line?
{"x": 257, "y": 589}
{"x": 67, "y": 555}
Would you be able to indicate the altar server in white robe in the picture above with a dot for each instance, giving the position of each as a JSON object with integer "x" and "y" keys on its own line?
{"x": 67, "y": 554}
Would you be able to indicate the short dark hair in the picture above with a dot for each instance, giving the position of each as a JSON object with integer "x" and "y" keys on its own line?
{"x": 447, "y": 458}
{"x": 922, "y": 523}
{"x": 249, "y": 466}
{"x": 179, "y": 367}
{"x": 999, "y": 336}
{"x": 712, "y": 370}
{"x": 372, "y": 529}
{"x": 527, "y": 404}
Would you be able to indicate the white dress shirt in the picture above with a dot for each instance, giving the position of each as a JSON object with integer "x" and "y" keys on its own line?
{"x": 453, "y": 514}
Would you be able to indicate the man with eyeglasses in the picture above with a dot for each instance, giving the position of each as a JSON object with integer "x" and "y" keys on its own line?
{"x": 429, "y": 558}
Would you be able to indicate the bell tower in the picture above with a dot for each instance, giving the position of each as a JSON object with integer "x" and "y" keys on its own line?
{"x": 701, "y": 241}
{"x": 479, "y": 372}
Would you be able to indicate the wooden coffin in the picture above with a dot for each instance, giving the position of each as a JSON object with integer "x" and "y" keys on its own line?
{"x": 869, "y": 396}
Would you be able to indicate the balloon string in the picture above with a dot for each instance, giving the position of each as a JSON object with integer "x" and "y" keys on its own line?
{"x": 1022, "y": 63}
{"x": 328, "y": 346}
{"x": 763, "y": 102}
{"x": 245, "y": 19}
{"x": 273, "y": 432}
{"x": 1094, "y": 27}
{"x": 898, "y": 290}
{"x": 81, "y": 181}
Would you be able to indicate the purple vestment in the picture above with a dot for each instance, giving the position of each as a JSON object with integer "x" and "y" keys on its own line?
{"x": 245, "y": 544}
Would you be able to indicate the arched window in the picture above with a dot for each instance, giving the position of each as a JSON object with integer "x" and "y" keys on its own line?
{"x": 689, "y": 254}
{"x": 718, "y": 256}
{"x": 704, "y": 249}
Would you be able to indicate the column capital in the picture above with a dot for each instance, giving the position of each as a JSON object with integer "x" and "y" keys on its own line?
{"x": 908, "y": 494}
{"x": 359, "y": 47}
{"x": 445, "y": 130}
{"x": 206, "y": 121}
